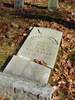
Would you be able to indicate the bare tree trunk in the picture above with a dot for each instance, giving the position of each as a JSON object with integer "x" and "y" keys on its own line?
{"x": 52, "y": 5}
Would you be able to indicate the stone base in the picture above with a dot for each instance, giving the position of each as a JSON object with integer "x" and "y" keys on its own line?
{"x": 17, "y": 88}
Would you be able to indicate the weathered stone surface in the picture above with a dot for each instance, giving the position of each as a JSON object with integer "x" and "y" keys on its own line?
{"x": 25, "y": 68}
{"x": 19, "y": 4}
{"x": 42, "y": 44}
{"x": 17, "y": 88}
{"x": 52, "y": 5}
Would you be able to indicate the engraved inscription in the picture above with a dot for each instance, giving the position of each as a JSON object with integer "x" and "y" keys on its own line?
{"x": 42, "y": 44}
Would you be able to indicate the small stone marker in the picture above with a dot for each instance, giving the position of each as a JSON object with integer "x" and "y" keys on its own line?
{"x": 25, "y": 68}
{"x": 42, "y": 44}
{"x": 19, "y": 4}
{"x": 52, "y": 5}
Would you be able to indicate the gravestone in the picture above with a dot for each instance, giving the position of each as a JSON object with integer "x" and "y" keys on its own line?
{"x": 53, "y": 5}
{"x": 27, "y": 77}
{"x": 19, "y": 4}
{"x": 23, "y": 67}
{"x": 42, "y": 44}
